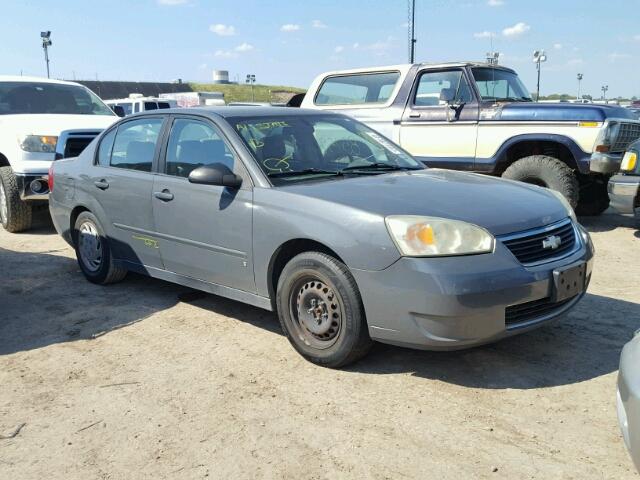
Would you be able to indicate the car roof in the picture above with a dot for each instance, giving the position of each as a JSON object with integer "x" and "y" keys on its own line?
{"x": 20, "y": 78}
{"x": 406, "y": 66}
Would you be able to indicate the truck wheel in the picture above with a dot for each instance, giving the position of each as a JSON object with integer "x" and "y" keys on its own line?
{"x": 594, "y": 198}
{"x": 546, "y": 172}
{"x": 93, "y": 252}
{"x": 321, "y": 312}
{"x": 15, "y": 215}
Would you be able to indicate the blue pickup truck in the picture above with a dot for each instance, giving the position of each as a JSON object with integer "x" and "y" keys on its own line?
{"x": 480, "y": 117}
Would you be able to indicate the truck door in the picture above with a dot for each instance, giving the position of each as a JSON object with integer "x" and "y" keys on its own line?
{"x": 439, "y": 125}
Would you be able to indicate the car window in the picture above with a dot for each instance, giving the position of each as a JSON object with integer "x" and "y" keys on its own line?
{"x": 150, "y": 106}
{"x": 163, "y": 105}
{"x": 357, "y": 89}
{"x": 432, "y": 85}
{"x": 135, "y": 144}
{"x": 104, "y": 150}
{"x": 192, "y": 144}
{"x": 126, "y": 106}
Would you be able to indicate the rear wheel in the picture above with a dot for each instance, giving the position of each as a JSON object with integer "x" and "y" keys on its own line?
{"x": 321, "y": 311}
{"x": 15, "y": 214}
{"x": 546, "y": 172}
{"x": 93, "y": 251}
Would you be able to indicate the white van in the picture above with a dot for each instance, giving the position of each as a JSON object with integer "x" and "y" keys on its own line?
{"x": 139, "y": 103}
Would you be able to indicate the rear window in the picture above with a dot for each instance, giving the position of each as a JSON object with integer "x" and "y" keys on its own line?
{"x": 357, "y": 89}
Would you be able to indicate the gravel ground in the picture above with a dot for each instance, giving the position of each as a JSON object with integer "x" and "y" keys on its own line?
{"x": 149, "y": 380}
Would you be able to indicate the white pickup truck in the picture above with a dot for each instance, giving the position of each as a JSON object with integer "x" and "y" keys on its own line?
{"x": 479, "y": 117}
{"x": 41, "y": 120}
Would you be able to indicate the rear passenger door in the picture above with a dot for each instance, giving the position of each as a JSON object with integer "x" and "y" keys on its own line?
{"x": 205, "y": 231}
{"x": 434, "y": 132}
{"x": 121, "y": 182}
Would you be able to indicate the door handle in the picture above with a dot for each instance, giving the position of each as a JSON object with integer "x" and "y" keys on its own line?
{"x": 414, "y": 115}
{"x": 165, "y": 195}
{"x": 101, "y": 184}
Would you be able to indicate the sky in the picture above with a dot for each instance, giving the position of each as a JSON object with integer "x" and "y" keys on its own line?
{"x": 289, "y": 42}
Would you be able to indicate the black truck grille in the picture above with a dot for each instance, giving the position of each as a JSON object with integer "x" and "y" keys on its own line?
{"x": 526, "y": 312}
{"x": 628, "y": 133}
{"x": 536, "y": 246}
{"x": 76, "y": 142}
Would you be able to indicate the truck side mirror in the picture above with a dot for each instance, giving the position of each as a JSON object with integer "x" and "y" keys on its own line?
{"x": 448, "y": 95}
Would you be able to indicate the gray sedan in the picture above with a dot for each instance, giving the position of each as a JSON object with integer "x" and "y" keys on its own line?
{"x": 325, "y": 221}
{"x": 629, "y": 397}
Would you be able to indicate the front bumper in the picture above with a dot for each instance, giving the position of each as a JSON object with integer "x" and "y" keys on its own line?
{"x": 629, "y": 398}
{"x": 28, "y": 186}
{"x": 606, "y": 163}
{"x": 457, "y": 302}
{"x": 623, "y": 191}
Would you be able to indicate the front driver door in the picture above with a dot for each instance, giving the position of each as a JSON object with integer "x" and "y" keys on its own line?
{"x": 431, "y": 130}
{"x": 204, "y": 230}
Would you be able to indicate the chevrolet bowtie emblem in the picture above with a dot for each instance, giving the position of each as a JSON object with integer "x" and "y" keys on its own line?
{"x": 552, "y": 242}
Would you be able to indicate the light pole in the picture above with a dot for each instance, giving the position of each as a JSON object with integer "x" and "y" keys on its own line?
{"x": 604, "y": 89}
{"x": 46, "y": 43}
{"x": 539, "y": 57}
{"x": 579, "y": 80}
{"x": 251, "y": 79}
{"x": 412, "y": 31}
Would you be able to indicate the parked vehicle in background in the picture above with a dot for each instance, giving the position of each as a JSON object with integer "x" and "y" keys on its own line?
{"x": 319, "y": 217}
{"x": 196, "y": 99}
{"x": 41, "y": 120}
{"x": 479, "y": 117}
{"x": 629, "y": 397}
{"x": 136, "y": 103}
{"x": 624, "y": 188}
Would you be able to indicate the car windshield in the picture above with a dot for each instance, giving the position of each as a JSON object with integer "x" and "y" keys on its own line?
{"x": 495, "y": 84}
{"x": 32, "y": 97}
{"x": 297, "y": 148}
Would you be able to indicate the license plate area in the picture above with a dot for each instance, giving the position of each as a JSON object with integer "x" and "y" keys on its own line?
{"x": 569, "y": 281}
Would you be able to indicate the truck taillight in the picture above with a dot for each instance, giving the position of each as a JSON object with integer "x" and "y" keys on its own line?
{"x": 50, "y": 180}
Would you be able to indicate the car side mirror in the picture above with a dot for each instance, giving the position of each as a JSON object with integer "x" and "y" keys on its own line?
{"x": 118, "y": 110}
{"x": 215, "y": 174}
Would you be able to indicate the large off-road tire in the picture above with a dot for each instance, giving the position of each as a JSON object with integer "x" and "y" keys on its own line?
{"x": 321, "y": 311}
{"x": 594, "y": 197}
{"x": 15, "y": 214}
{"x": 546, "y": 172}
{"x": 93, "y": 251}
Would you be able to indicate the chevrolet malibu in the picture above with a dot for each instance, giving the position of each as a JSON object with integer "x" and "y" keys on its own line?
{"x": 318, "y": 217}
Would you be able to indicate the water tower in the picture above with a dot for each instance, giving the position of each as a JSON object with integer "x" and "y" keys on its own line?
{"x": 221, "y": 76}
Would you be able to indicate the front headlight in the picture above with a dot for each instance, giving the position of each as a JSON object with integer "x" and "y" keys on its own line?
{"x": 629, "y": 162}
{"x": 566, "y": 204}
{"x": 417, "y": 236}
{"x": 39, "y": 143}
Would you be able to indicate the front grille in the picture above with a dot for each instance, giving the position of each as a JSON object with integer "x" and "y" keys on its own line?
{"x": 628, "y": 133}
{"x": 529, "y": 247}
{"x": 526, "y": 312}
{"x": 77, "y": 142}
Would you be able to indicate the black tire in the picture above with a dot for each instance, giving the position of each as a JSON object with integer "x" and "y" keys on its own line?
{"x": 15, "y": 214}
{"x": 594, "y": 197}
{"x": 546, "y": 172}
{"x": 99, "y": 269}
{"x": 341, "y": 338}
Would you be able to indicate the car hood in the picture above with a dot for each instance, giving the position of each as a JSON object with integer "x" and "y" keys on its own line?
{"x": 53, "y": 124}
{"x": 500, "y": 206}
{"x": 533, "y": 111}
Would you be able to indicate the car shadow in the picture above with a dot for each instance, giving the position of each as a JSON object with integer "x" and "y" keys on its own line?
{"x": 583, "y": 345}
{"x": 608, "y": 222}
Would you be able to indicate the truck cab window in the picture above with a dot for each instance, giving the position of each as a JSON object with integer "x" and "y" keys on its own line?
{"x": 357, "y": 89}
{"x": 432, "y": 86}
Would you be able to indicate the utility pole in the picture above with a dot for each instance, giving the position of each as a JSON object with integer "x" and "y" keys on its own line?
{"x": 579, "y": 80}
{"x": 539, "y": 57}
{"x": 412, "y": 30}
{"x": 251, "y": 79}
{"x": 46, "y": 43}
{"x": 604, "y": 89}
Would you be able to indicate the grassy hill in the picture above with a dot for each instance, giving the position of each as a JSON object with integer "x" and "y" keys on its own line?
{"x": 242, "y": 93}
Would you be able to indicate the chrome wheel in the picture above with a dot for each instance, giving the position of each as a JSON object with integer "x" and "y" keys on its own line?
{"x": 317, "y": 311}
{"x": 4, "y": 210}
{"x": 89, "y": 246}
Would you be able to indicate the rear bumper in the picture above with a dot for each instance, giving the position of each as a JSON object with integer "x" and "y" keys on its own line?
{"x": 459, "y": 302}
{"x": 623, "y": 191}
{"x": 629, "y": 398}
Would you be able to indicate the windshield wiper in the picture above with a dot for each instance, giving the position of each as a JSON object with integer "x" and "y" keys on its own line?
{"x": 306, "y": 171}
{"x": 374, "y": 166}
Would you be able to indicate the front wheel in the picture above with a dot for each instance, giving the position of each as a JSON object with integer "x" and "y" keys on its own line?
{"x": 93, "y": 251}
{"x": 320, "y": 310}
{"x": 15, "y": 214}
{"x": 594, "y": 197}
{"x": 546, "y": 172}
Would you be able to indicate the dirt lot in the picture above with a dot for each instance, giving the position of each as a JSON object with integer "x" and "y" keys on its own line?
{"x": 145, "y": 379}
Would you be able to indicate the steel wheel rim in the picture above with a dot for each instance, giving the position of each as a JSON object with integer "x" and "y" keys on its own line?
{"x": 4, "y": 209}
{"x": 317, "y": 312}
{"x": 90, "y": 246}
